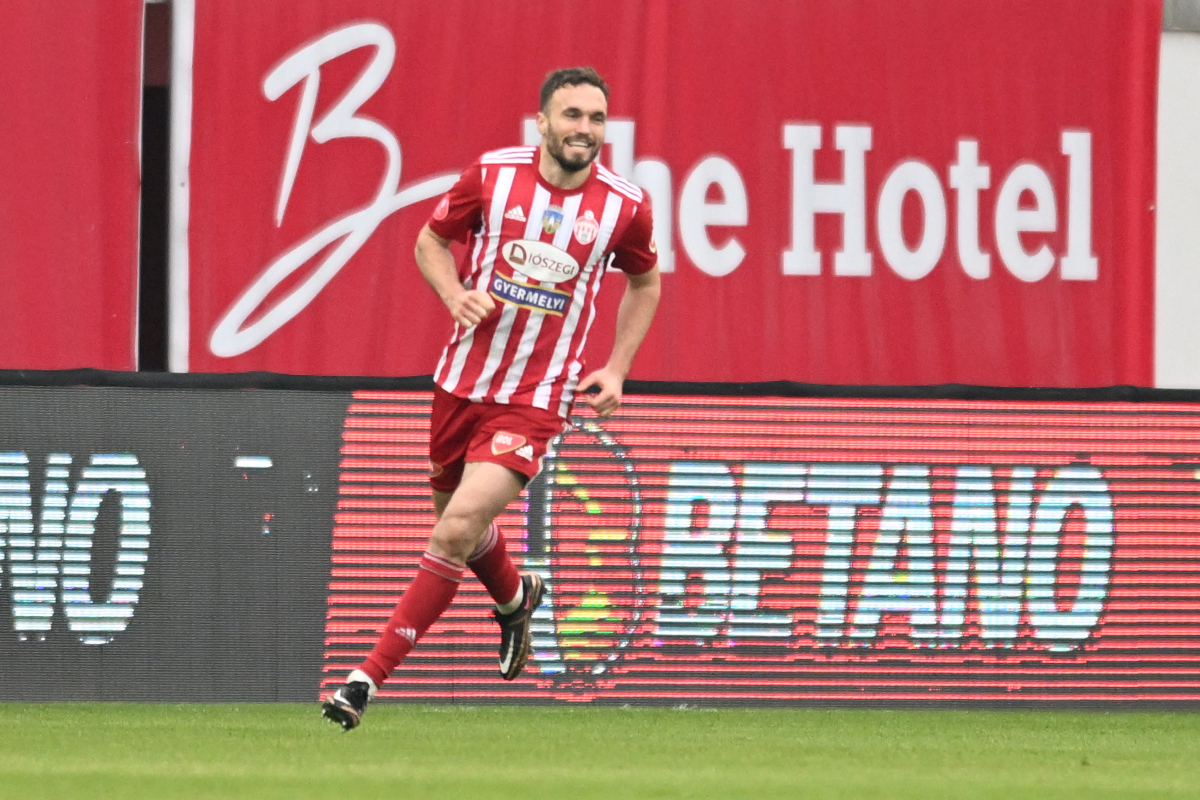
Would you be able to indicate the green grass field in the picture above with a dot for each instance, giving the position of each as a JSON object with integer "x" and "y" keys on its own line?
{"x": 98, "y": 751}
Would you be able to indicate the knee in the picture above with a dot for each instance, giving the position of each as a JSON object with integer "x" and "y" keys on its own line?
{"x": 457, "y": 534}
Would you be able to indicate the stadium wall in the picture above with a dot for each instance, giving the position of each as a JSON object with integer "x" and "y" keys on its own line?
{"x": 202, "y": 538}
{"x": 1177, "y": 328}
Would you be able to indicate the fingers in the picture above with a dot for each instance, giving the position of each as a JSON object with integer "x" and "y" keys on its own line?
{"x": 604, "y": 404}
{"x": 605, "y": 401}
{"x": 472, "y": 308}
{"x": 485, "y": 300}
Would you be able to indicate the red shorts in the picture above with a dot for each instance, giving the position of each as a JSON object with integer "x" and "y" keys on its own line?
{"x": 462, "y": 431}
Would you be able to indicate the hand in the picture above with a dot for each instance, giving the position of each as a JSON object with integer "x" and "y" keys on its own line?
{"x": 470, "y": 307}
{"x": 608, "y": 398}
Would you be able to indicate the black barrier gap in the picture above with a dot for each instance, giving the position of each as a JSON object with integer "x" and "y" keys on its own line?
{"x": 152, "y": 243}
{"x": 155, "y": 195}
{"x": 339, "y": 383}
{"x": 106, "y": 542}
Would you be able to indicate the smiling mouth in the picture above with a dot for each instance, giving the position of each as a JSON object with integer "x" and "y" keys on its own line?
{"x": 576, "y": 153}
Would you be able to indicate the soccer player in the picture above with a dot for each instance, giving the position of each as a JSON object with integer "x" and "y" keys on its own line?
{"x": 542, "y": 226}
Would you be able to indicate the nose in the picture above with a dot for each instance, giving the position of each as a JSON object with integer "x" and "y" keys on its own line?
{"x": 583, "y": 125}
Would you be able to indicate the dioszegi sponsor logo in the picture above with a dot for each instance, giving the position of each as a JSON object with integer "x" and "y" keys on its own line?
{"x": 535, "y": 298}
{"x": 540, "y": 261}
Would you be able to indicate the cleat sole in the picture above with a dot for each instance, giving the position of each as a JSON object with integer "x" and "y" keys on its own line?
{"x": 342, "y": 715}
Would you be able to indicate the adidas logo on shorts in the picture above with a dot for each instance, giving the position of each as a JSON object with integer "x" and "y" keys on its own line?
{"x": 526, "y": 452}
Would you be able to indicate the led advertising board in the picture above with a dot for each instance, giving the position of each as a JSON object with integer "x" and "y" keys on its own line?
{"x": 760, "y": 550}
{"x": 164, "y": 544}
{"x": 177, "y": 543}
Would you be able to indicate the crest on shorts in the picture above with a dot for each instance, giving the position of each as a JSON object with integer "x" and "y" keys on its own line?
{"x": 552, "y": 219}
{"x": 505, "y": 442}
{"x": 586, "y": 228}
{"x": 435, "y": 469}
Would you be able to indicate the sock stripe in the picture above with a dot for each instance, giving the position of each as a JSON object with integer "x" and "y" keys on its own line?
{"x": 489, "y": 541}
{"x": 442, "y": 567}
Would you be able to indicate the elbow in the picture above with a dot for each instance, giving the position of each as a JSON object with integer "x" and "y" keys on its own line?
{"x": 429, "y": 243}
{"x": 647, "y": 285}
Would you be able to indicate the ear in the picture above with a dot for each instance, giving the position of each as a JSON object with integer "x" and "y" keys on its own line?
{"x": 543, "y": 123}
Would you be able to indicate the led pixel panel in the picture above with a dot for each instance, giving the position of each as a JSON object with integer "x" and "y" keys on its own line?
{"x": 141, "y": 526}
{"x": 722, "y": 550}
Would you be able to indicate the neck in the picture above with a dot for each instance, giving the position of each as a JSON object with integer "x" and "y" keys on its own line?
{"x": 555, "y": 175}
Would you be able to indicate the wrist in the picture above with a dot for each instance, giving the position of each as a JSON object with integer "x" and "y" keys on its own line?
{"x": 617, "y": 370}
{"x": 451, "y": 294}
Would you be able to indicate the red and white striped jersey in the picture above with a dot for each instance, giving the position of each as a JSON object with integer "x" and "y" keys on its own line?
{"x": 540, "y": 252}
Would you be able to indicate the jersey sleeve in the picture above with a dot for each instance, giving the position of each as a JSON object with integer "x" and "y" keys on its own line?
{"x": 636, "y": 252}
{"x": 460, "y": 210}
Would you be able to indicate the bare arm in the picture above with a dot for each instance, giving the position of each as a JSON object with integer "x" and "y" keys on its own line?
{"x": 436, "y": 262}
{"x": 633, "y": 321}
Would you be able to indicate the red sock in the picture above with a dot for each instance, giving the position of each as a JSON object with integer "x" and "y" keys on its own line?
{"x": 424, "y": 600}
{"x": 495, "y": 569}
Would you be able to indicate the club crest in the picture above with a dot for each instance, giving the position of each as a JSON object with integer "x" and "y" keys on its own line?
{"x": 505, "y": 442}
{"x": 552, "y": 219}
{"x": 586, "y": 228}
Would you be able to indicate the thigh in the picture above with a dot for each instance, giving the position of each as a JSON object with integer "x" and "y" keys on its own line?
{"x": 452, "y": 423}
{"x": 485, "y": 491}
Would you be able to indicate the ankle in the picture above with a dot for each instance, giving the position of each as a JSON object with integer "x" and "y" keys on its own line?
{"x": 360, "y": 676}
{"x": 515, "y": 603}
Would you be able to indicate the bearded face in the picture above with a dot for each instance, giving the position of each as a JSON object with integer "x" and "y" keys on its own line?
{"x": 573, "y": 125}
{"x": 574, "y": 151}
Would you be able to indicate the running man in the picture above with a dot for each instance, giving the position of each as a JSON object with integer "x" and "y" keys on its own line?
{"x": 541, "y": 225}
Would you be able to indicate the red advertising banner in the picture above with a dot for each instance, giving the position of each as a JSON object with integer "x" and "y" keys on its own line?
{"x": 69, "y": 183}
{"x": 784, "y": 550}
{"x": 912, "y": 192}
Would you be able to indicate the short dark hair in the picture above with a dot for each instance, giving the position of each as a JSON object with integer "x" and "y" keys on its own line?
{"x": 571, "y": 76}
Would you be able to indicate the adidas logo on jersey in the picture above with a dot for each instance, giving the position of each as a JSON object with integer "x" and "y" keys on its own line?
{"x": 515, "y": 213}
{"x": 526, "y": 452}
